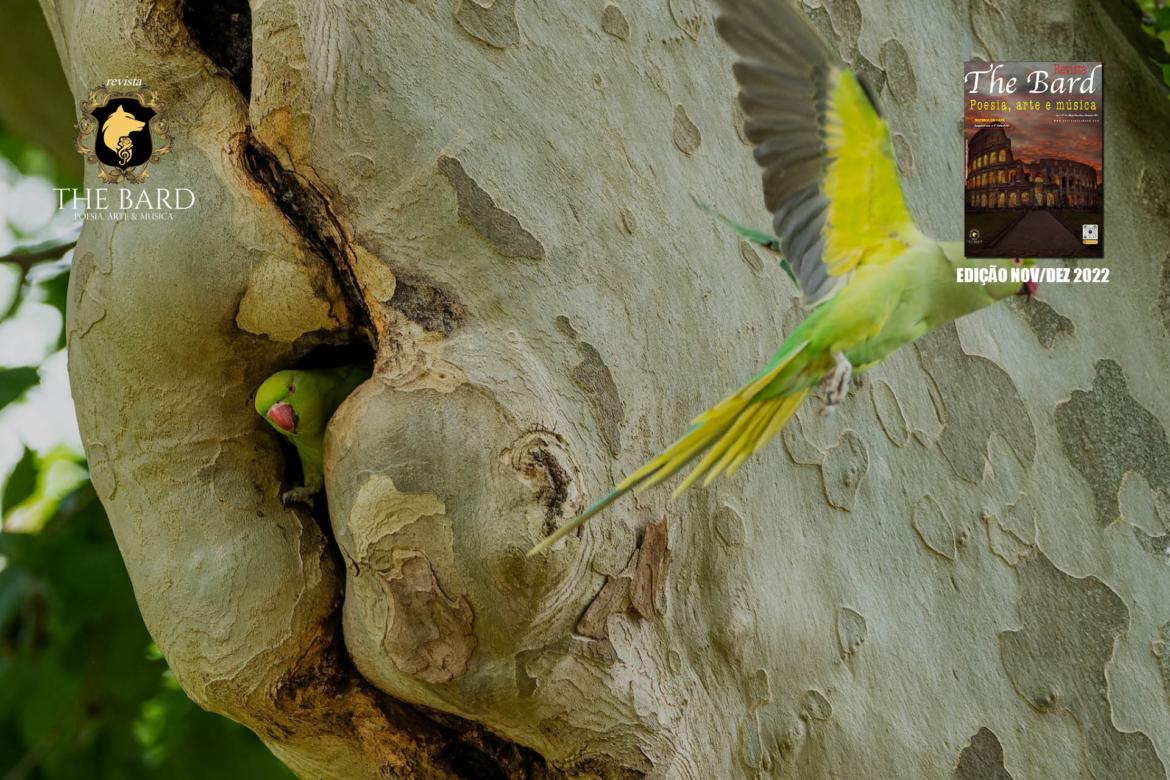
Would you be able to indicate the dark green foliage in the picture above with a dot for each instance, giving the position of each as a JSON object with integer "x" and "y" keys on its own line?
{"x": 82, "y": 693}
{"x": 20, "y": 482}
{"x": 1157, "y": 24}
{"x": 14, "y": 382}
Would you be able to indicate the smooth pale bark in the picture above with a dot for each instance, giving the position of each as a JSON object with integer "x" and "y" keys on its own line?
{"x": 968, "y": 560}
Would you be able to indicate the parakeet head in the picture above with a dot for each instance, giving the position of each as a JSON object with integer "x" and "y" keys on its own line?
{"x": 272, "y": 401}
{"x": 1002, "y": 268}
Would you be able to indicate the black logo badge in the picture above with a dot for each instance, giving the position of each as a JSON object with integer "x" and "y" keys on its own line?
{"x": 123, "y": 133}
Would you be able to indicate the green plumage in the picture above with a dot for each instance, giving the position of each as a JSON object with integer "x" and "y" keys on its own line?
{"x": 872, "y": 280}
{"x": 313, "y": 395}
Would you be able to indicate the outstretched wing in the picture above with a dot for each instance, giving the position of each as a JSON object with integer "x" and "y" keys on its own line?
{"x": 830, "y": 178}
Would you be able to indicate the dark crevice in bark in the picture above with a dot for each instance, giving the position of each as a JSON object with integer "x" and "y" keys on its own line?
{"x": 350, "y": 353}
{"x": 326, "y": 687}
{"x": 222, "y": 29}
{"x": 557, "y": 481}
{"x": 308, "y": 211}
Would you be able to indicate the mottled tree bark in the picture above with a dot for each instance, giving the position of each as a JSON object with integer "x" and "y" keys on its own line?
{"x": 964, "y": 570}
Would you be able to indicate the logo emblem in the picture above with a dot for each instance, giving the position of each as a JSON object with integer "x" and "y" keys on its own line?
{"x": 973, "y": 234}
{"x": 1088, "y": 234}
{"x": 122, "y": 133}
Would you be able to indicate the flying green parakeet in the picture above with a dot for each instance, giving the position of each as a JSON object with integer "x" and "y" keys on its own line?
{"x": 299, "y": 405}
{"x": 873, "y": 281}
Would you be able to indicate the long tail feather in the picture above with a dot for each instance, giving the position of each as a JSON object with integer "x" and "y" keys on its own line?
{"x": 759, "y": 237}
{"x": 733, "y": 430}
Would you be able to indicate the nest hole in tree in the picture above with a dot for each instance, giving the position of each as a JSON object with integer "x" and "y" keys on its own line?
{"x": 222, "y": 29}
{"x": 350, "y": 353}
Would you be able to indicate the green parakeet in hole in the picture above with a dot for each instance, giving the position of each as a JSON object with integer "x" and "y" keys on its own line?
{"x": 873, "y": 281}
{"x": 299, "y": 405}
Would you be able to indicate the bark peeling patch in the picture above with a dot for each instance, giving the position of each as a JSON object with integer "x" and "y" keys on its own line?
{"x": 903, "y": 154}
{"x": 1020, "y": 519}
{"x": 751, "y": 256}
{"x": 814, "y": 705}
{"x": 842, "y": 470}
{"x": 629, "y": 221}
{"x": 594, "y": 377}
{"x": 730, "y": 526}
{"x": 688, "y": 15}
{"x": 977, "y": 398}
{"x": 1158, "y": 546}
{"x": 686, "y": 135}
{"x": 852, "y": 631}
{"x": 1004, "y": 544}
{"x": 934, "y": 528}
{"x": 799, "y": 448}
{"x": 1044, "y": 320}
{"x": 1057, "y": 661}
{"x": 429, "y": 636}
{"x": 845, "y": 16}
{"x": 738, "y": 118}
{"x": 1106, "y": 433}
{"x": 496, "y": 25}
{"x": 982, "y": 758}
{"x": 431, "y": 307}
{"x": 222, "y": 29}
{"x": 889, "y": 413}
{"x": 641, "y": 585}
{"x": 502, "y": 230}
{"x": 285, "y": 300}
{"x": 613, "y": 21}
{"x": 900, "y": 79}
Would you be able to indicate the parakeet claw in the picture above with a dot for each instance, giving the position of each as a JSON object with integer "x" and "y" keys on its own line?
{"x": 837, "y": 384}
{"x": 300, "y": 495}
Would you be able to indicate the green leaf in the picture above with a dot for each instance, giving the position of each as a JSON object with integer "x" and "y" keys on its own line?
{"x": 1162, "y": 19}
{"x": 20, "y": 482}
{"x": 54, "y": 291}
{"x": 58, "y": 474}
{"x": 15, "y": 381}
{"x": 1165, "y": 66}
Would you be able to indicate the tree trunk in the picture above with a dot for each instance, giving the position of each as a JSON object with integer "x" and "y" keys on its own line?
{"x": 966, "y": 565}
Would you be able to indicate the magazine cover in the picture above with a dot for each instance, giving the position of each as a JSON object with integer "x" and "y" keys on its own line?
{"x": 583, "y": 390}
{"x": 1033, "y": 159}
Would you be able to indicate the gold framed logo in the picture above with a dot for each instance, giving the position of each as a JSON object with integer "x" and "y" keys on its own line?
{"x": 123, "y": 133}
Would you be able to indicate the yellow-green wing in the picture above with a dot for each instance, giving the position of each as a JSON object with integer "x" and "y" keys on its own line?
{"x": 830, "y": 178}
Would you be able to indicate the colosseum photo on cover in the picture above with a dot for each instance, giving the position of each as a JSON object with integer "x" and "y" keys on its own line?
{"x": 1033, "y": 146}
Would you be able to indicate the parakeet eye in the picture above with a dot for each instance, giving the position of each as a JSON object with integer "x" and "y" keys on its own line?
{"x": 291, "y": 389}
{"x": 1017, "y": 261}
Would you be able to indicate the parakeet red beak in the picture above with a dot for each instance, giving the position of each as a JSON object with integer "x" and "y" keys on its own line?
{"x": 1028, "y": 288}
{"x": 282, "y": 416}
